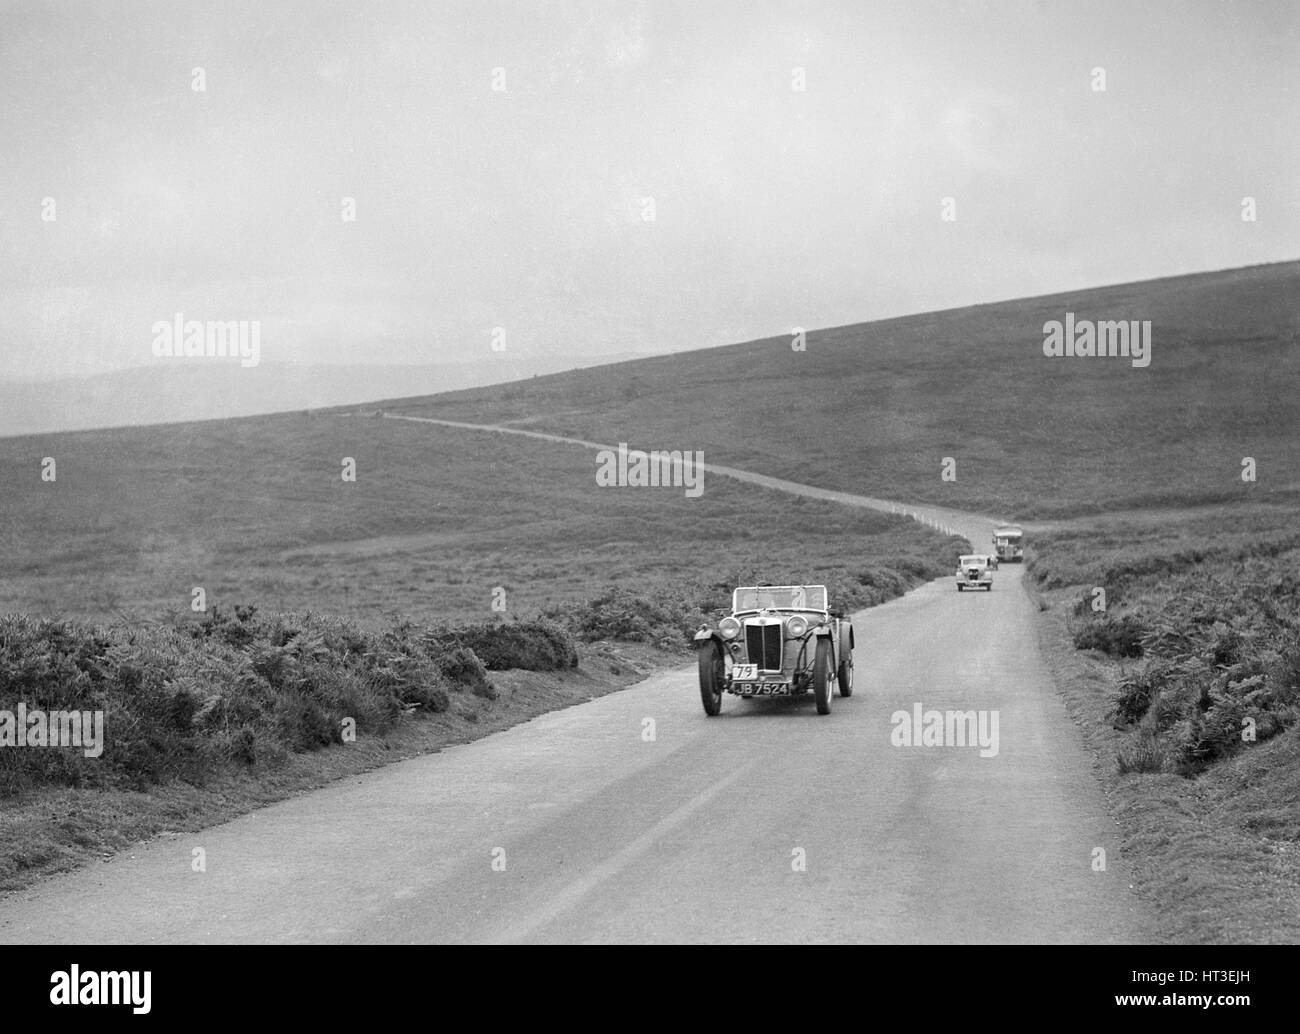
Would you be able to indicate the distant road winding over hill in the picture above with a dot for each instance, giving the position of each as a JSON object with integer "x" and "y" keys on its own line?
{"x": 875, "y": 408}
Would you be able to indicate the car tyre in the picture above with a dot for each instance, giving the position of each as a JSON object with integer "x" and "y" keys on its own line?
{"x": 844, "y": 677}
{"x": 713, "y": 676}
{"x": 821, "y": 679}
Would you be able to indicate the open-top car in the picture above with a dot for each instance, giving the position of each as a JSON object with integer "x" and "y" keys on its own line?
{"x": 778, "y": 640}
{"x": 973, "y": 572}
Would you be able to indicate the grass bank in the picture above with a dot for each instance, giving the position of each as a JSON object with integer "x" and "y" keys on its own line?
{"x": 1187, "y": 687}
{"x": 212, "y": 720}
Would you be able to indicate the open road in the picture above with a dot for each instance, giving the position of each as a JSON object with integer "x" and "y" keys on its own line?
{"x": 768, "y": 823}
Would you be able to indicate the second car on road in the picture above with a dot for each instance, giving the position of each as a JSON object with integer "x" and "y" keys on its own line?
{"x": 973, "y": 572}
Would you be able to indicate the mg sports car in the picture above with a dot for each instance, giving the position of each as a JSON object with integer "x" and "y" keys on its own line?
{"x": 778, "y": 640}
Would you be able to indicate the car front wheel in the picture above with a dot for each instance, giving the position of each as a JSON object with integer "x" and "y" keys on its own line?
{"x": 844, "y": 677}
{"x": 822, "y": 676}
{"x": 713, "y": 676}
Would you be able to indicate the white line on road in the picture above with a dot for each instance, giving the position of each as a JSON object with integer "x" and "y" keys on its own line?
{"x": 612, "y": 866}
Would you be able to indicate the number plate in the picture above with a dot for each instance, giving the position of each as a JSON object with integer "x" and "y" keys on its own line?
{"x": 761, "y": 689}
{"x": 744, "y": 672}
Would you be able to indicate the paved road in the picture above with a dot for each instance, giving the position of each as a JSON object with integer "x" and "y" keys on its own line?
{"x": 767, "y": 823}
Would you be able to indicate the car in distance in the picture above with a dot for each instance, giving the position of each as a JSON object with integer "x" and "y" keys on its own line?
{"x": 778, "y": 640}
{"x": 973, "y": 572}
{"x": 1009, "y": 542}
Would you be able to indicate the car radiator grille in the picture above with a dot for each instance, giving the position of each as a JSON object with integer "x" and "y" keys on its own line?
{"x": 763, "y": 645}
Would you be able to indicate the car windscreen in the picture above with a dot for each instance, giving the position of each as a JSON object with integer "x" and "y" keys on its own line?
{"x": 972, "y": 561}
{"x": 781, "y": 597}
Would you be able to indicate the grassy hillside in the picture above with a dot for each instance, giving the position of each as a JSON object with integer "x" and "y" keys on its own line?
{"x": 255, "y": 511}
{"x": 873, "y": 408}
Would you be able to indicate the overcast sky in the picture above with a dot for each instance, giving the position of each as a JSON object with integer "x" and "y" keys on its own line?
{"x": 525, "y": 209}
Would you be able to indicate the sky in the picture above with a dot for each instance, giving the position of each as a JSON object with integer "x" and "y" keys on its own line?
{"x": 604, "y": 178}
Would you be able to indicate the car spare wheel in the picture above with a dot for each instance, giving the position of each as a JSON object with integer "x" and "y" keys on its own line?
{"x": 822, "y": 676}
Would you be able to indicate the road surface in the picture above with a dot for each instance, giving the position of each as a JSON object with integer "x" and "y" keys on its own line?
{"x": 634, "y": 818}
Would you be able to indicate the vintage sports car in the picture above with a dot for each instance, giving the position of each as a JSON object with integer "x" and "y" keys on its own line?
{"x": 779, "y": 640}
{"x": 973, "y": 572}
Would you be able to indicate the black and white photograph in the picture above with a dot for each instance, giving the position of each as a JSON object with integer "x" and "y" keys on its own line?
{"x": 741, "y": 474}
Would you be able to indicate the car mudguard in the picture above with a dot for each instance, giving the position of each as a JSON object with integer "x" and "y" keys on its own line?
{"x": 827, "y": 632}
{"x": 704, "y": 635}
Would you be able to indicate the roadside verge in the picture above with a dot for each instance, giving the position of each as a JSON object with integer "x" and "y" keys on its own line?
{"x": 1193, "y": 845}
{"x": 54, "y": 829}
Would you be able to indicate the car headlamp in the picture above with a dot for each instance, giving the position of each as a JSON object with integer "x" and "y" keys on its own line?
{"x": 729, "y": 628}
{"x": 796, "y": 626}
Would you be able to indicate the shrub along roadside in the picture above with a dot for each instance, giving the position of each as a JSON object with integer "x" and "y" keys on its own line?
{"x": 670, "y": 618}
{"x": 184, "y": 700}
{"x": 1115, "y": 636}
{"x": 532, "y": 645}
{"x": 1216, "y": 628}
